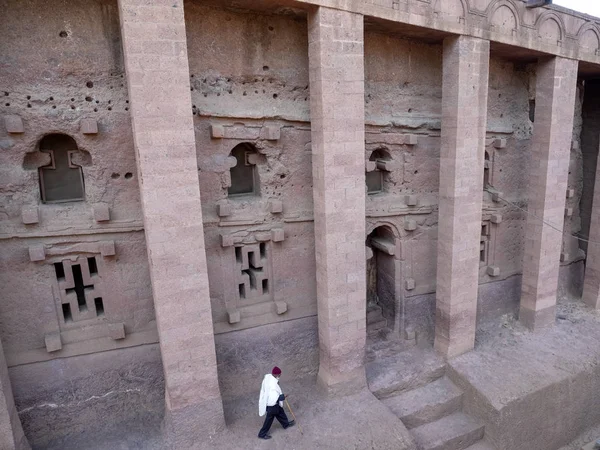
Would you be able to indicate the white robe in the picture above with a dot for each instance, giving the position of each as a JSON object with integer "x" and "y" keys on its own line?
{"x": 269, "y": 393}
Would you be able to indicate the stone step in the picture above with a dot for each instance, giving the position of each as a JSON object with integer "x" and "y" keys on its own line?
{"x": 481, "y": 445}
{"x": 427, "y": 403}
{"x": 394, "y": 374}
{"x": 373, "y": 326}
{"x": 374, "y": 314}
{"x": 380, "y": 347}
{"x": 454, "y": 432}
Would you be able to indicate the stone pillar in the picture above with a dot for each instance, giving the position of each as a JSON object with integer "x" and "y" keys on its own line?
{"x": 154, "y": 44}
{"x": 549, "y": 167}
{"x": 336, "y": 64}
{"x": 11, "y": 431}
{"x": 464, "y": 117}
{"x": 591, "y": 282}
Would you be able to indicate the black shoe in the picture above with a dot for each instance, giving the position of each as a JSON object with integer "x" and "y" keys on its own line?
{"x": 291, "y": 423}
{"x": 266, "y": 436}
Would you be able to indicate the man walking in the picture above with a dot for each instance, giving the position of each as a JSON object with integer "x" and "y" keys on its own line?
{"x": 271, "y": 403}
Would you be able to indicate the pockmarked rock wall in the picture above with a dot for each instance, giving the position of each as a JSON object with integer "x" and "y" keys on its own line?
{"x": 260, "y": 246}
{"x": 74, "y": 277}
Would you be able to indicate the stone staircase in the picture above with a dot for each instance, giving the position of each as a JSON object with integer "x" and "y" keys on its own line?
{"x": 376, "y": 323}
{"x": 414, "y": 387}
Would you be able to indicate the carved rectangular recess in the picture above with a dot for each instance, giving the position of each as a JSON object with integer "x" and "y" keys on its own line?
{"x": 80, "y": 290}
{"x": 253, "y": 274}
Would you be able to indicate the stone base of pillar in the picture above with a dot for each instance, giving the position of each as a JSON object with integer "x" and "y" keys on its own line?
{"x": 186, "y": 427}
{"x": 538, "y": 320}
{"x": 341, "y": 384}
{"x": 591, "y": 284}
{"x": 12, "y": 436}
{"x": 343, "y": 377}
{"x": 10, "y": 442}
{"x": 450, "y": 339}
{"x": 449, "y": 350}
{"x": 593, "y": 301}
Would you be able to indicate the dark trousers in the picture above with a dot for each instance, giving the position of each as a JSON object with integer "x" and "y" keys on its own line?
{"x": 272, "y": 413}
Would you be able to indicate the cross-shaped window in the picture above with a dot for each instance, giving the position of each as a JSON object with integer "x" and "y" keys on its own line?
{"x": 80, "y": 287}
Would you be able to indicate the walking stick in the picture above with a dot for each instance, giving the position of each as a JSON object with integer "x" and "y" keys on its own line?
{"x": 292, "y": 412}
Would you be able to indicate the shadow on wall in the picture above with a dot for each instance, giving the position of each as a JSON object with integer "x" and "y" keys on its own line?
{"x": 244, "y": 357}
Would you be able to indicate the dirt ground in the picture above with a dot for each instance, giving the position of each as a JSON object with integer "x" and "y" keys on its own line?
{"x": 360, "y": 421}
{"x": 584, "y": 438}
{"x": 355, "y": 422}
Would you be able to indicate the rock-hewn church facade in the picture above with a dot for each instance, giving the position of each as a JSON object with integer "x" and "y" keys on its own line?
{"x": 175, "y": 171}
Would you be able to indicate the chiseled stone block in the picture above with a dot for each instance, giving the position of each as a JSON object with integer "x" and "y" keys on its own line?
{"x": 387, "y": 166}
{"x": 411, "y": 200}
{"x": 116, "y": 330}
{"x": 384, "y": 245}
{"x": 500, "y": 143}
{"x": 493, "y": 271}
{"x": 88, "y": 126}
{"x": 409, "y": 284}
{"x": 264, "y": 236}
{"x": 276, "y": 206}
{"x": 568, "y": 211}
{"x": 411, "y": 139}
{"x": 277, "y": 235}
{"x": 253, "y": 158}
{"x": 226, "y": 240}
{"x": 368, "y": 253}
{"x": 101, "y": 212}
{"x": 410, "y": 225}
{"x": 409, "y": 334}
{"x": 233, "y": 316}
{"x": 231, "y": 162}
{"x": 37, "y": 253}
{"x": 272, "y": 132}
{"x": 14, "y": 124}
{"x": 30, "y": 215}
{"x": 496, "y": 218}
{"x": 223, "y": 209}
{"x": 217, "y": 131}
{"x": 107, "y": 248}
{"x": 370, "y": 166}
{"x": 575, "y": 145}
{"x": 497, "y": 197}
{"x": 564, "y": 257}
{"x": 281, "y": 307}
{"x": 570, "y": 193}
{"x": 53, "y": 342}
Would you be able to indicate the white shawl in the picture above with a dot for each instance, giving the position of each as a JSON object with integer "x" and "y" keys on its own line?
{"x": 269, "y": 393}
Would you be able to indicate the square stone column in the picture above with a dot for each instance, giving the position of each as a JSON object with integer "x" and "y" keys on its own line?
{"x": 591, "y": 282}
{"x": 11, "y": 431}
{"x": 156, "y": 64}
{"x": 549, "y": 168}
{"x": 464, "y": 118}
{"x": 336, "y": 64}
